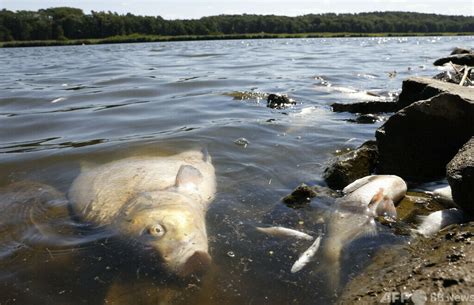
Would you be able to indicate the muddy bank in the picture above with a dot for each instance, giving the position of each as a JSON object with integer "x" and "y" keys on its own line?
{"x": 439, "y": 269}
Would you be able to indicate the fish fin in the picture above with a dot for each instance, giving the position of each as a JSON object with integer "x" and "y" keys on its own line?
{"x": 386, "y": 208}
{"x": 376, "y": 200}
{"x": 357, "y": 184}
{"x": 86, "y": 165}
{"x": 367, "y": 228}
{"x": 205, "y": 155}
{"x": 188, "y": 174}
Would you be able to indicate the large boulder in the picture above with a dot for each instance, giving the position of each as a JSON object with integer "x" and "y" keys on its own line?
{"x": 422, "y": 88}
{"x": 458, "y": 50}
{"x": 351, "y": 166}
{"x": 458, "y": 59}
{"x": 460, "y": 174}
{"x": 417, "y": 142}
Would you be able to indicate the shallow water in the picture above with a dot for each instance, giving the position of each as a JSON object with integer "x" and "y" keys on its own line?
{"x": 63, "y": 105}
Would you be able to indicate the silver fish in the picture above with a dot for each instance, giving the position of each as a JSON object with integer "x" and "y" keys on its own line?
{"x": 307, "y": 256}
{"x": 284, "y": 232}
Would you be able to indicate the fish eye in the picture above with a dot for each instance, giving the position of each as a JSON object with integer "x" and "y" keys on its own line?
{"x": 156, "y": 230}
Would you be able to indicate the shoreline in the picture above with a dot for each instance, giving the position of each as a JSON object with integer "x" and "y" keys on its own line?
{"x": 138, "y": 38}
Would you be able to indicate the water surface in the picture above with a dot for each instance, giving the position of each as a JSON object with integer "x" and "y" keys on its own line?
{"x": 60, "y": 106}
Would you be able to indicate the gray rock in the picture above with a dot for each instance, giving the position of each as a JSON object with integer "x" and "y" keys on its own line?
{"x": 366, "y": 107}
{"x": 422, "y": 88}
{"x": 460, "y": 174}
{"x": 351, "y": 166}
{"x": 279, "y": 101}
{"x": 458, "y": 59}
{"x": 301, "y": 196}
{"x": 366, "y": 119}
{"x": 458, "y": 50}
{"x": 417, "y": 142}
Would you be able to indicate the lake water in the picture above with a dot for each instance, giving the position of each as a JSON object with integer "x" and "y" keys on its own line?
{"x": 60, "y": 106}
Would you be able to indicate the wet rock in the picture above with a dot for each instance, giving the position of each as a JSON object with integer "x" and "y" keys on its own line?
{"x": 351, "y": 166}
{"x": 459, "y": 50}
{"x": 279, "y": 101}
{"x": 366, "y": 119}
{"x": 460, "y": 174}
{"x": 457, "y": 59}
{"x": 366, "y": 107}
{"x": 416, "y": 204}
{"x": 417, "y": 142}
{"x": 301, "y": 196}
{"x": 427, "y": 268}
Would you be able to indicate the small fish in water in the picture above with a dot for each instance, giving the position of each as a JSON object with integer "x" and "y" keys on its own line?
{"x": 158, "y": 202}
{"x": 307, "y": 256}
{"x": 354, "y": 214}
{"x": 436, "y": 221}
{"x": 285, "y": 232}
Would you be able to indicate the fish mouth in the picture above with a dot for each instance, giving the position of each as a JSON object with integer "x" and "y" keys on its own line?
{"x": 197, "y": 264}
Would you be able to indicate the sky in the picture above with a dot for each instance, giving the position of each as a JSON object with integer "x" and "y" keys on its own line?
{"x": 187, "y": 9}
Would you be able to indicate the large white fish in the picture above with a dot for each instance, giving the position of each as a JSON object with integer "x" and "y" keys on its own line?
{"x": 354, "y": 214}
{"x": 158, "y": 201}
{"x": 436, "y": 221}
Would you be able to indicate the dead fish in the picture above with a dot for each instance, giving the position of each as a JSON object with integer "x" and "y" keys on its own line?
{"x": 436, "y": 221}
{"x": 444, "y": 195}
{"x": 354, "y": 214}
{"x": 307, "y": 256}
{"x": 285, "y": 232}
{"x": 158, "y": 202}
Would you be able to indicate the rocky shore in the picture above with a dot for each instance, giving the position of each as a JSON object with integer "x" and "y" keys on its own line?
{"x": 432, "y": 121}
{"x": 428, "y": 137}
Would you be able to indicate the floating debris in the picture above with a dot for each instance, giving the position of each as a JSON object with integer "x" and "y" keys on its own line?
{"x": 61, "y": 99}
{"x": 242, "y": 142}
{"x": 231, "y": 254}
{"x": 247, "y": 95}
{"x": 279, "y": 101}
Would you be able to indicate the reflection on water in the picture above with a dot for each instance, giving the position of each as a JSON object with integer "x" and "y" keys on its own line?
{"x": 60, "y": 106}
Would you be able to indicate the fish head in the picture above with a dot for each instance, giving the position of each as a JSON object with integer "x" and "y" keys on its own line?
{"x": 172, "y": 225}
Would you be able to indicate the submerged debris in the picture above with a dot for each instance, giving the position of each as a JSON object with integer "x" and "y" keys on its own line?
{"x": 301, "y": 196}
{"x": 242, "y": 142}
{"x": 247, "y": 95}
{"x": 279, "y": 101}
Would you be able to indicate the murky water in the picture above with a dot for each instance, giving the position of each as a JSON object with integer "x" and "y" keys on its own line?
{"x": 63, "y": 105}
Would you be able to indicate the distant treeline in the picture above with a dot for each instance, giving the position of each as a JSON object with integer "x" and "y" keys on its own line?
{"x": 64, "y": 23}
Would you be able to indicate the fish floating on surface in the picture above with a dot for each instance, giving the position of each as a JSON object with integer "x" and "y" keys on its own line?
{"x": 157, "y": 202}
{"x": 353, "y": 217}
